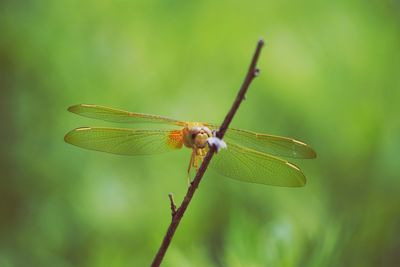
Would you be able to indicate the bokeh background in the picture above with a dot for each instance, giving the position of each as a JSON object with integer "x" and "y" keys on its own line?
{"x": 330, "y": 76}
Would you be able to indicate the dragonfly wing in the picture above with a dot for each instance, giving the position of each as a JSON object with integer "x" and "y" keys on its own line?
{"x": 270, "y": 144}
{"x": 125, "y": 141}
{"x": 115, "y": 115}
{"x": 248, "y": 165}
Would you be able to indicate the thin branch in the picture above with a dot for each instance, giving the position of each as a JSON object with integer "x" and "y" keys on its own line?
{"x": 251, "y": 74}
{"x": 173, "y": 206}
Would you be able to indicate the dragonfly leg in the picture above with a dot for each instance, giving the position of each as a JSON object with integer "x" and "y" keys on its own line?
{"x": 196, "y": 163}
{"x": 196, "y": 158}
{"x": 191, "y": 163}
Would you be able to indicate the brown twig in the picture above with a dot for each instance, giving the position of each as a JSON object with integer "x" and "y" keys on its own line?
{"x": 176, "y": 218}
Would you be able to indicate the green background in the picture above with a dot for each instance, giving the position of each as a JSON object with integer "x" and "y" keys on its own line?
{"x": 330, "y": 76}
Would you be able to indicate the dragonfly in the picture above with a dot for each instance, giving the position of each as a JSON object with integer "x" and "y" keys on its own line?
{"x": 249, "y": 156}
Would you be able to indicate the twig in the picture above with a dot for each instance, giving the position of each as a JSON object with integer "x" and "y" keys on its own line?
{"x": 173, "y": 206}
{"x": 251, "y": 74}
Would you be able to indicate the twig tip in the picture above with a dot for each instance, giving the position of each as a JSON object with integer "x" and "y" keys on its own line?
{"x": 172, "y": 202}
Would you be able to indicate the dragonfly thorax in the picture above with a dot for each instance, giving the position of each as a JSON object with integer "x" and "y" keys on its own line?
{"x": 196, "y": 135}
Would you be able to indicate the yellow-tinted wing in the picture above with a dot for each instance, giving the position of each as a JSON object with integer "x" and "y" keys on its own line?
{"x": 125, "y": 141}
{"x": 271, "y": 144}
{"x": 115, "y": 115}
{"x": 252, "y": 166}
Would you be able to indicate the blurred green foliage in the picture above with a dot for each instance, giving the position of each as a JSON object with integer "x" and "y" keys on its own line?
{"x": 330, "y": 75}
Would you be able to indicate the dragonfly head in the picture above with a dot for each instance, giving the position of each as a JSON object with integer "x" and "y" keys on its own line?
{"x": 198, "y": 135}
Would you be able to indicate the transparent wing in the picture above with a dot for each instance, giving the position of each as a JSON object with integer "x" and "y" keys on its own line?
{"x": 271, "y": 144}
{"x": 115, "y": 115}
{"x": 125, "y": 141}
{"x": 252, "y": 166}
